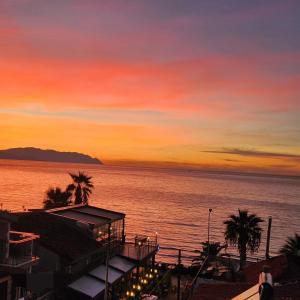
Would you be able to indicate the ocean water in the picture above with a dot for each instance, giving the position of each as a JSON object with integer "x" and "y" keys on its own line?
{"x": 172, "y": 202}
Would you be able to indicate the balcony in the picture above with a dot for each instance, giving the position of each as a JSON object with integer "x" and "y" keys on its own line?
{"x": 142, "y": 247}
{"x": 19, "y": 250}
{"x": 18, "y": 237}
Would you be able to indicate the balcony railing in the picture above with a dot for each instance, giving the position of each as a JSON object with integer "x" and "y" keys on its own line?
{"x": 18, "y": 262}
{"x": 18, "y": 237}
{"x": 141, "y": 248}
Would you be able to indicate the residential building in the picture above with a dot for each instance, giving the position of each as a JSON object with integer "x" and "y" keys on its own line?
{"x": 17, "y": 258}
{"x": 82, "y": 248}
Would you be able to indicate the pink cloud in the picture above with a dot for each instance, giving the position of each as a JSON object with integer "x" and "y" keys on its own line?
{"x": 219, "y": 83}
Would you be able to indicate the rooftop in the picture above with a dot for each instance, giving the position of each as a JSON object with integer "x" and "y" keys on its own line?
{"x": 88, "y": 214}
{"x": 285, "y": 271}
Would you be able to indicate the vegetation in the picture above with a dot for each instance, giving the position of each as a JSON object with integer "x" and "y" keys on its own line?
{"x": 211, "y": 249}
{"x": 292, "y": 246}
{"x": 83, "y": 187}
{"x": 55, "y": 197}
{"x": 80, "y": 190}
{"x": 244, "y": 232}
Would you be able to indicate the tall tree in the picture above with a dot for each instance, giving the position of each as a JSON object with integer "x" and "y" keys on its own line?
{"x": 55, "y": 197}
{"x": 83, "y": 187}
{"x": 244, "y": 232}
{"x": 291, "y": 246}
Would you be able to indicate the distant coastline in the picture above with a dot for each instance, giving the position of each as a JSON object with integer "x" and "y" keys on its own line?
{"x": 37, "y": 154}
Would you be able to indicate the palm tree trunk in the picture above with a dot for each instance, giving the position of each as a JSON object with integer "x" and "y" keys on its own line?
{"x": 243, "y": 256}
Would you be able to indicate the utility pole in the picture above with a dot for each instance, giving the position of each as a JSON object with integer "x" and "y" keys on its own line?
{"x": 208, "y": 230}
{"x": 178, "y": 276}
{"x": 268, "y": 238}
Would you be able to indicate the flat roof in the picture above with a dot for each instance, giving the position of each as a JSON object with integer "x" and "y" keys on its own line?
{"x": 83, "y": 218}
{"x": 100, "y": 212}
{"x": 87, "y": 214}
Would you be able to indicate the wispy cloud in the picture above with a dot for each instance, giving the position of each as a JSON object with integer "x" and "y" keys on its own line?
{"x": 254, "y": 153}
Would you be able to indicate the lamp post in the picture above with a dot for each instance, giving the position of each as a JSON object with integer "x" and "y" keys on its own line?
{"x": 208, "y": 228}
{"x": 107, "y": 260}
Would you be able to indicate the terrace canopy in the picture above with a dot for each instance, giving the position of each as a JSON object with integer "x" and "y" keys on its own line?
{"x": 92, "y": 285}
{"x": 89, "y": 286}
{"x": 100, "y": 273}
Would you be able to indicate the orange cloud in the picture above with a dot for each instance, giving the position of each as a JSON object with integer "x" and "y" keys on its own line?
{"x": 183, "y": 85}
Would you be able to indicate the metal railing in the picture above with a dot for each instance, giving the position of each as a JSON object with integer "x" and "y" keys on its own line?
{"x": 18, "y": 261}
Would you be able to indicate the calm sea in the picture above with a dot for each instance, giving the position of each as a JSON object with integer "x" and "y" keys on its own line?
{"x": 172, "y": 202}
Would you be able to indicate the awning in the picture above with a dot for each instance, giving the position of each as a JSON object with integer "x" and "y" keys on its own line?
{"x": 88, "y": 285}
{"x": 100, "y": 272}
{"x": 121, "y": 264}
{"x": 93, "y": 283}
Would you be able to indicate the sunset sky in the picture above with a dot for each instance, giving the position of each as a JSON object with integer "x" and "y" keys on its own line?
{"x": 208, "y": 82}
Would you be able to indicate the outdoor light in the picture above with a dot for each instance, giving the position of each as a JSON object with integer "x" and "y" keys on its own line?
{"x": 133, "y": 286}
{"x": 155, "y": 271}
{"x": 139, "y": 287}
{"x": 132, "y": 294}
{"x": 127, "y": 293}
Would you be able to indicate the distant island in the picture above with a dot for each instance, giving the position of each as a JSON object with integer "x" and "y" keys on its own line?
{"x": 30, "y": 153}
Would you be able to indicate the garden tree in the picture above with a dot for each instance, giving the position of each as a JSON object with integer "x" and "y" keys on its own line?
{"x": 55, "y": 197}
{"x": 83, "y": 187}
{"x": 291, "y": 246}
{"x": 244, "y": 232}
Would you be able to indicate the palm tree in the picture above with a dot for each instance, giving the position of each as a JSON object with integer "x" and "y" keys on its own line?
{"x": 292, "y": 246}
{"x": 55, "y": 197}
{"x": 83, "y": 187}
{"x": 243, "y": 231}
{"x": 211, "y": 249}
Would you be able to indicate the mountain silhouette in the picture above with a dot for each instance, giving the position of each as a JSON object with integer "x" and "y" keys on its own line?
{"x": 30, "y": 153}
